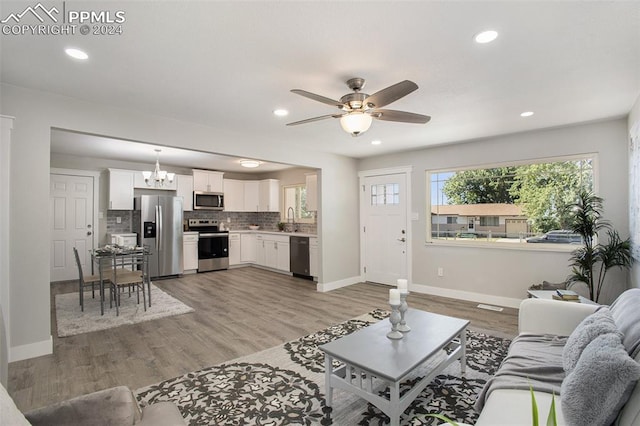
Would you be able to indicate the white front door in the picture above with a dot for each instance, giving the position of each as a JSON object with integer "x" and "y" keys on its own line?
{"x": 385, "y": 234}
{"x": 71, "y": 215}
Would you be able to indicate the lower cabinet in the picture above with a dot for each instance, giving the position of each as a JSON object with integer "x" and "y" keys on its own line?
{"x": 247, "y": 248}
{"x": 235, "y": 248}
{"x": 190, "y": 252}
{"x": 313, "y": 257}
{"x": 272, "y": 251}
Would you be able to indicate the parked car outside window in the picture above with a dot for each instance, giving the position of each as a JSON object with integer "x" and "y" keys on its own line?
{"x": 560, "y": 236}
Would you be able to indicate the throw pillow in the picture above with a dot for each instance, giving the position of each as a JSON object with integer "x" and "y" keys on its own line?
{"x": 600, "y": 384}
{"x": 596, "y": 324}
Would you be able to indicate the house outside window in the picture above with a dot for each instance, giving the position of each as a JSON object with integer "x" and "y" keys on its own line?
{"x": 506, "y": 204}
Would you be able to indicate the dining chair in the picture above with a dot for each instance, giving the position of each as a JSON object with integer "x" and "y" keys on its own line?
{"x": 85, "y": 280}
{"x": 128, "y": 272}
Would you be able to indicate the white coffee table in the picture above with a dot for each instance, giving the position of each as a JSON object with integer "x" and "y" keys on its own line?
{"x": 368, "y": 354}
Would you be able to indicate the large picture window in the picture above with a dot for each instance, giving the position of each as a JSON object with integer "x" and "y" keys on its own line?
{"x": 512, "y": 204}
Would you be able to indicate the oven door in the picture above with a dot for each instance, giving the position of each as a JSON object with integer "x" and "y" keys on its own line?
{"x": 213, "y": 251}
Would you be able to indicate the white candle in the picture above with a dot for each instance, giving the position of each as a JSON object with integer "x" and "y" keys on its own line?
{"x": 402, "y": 285}
{"x": 394, "y": 296}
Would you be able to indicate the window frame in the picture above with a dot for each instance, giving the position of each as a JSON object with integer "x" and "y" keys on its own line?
{"x": 283, "y": 212}
{"x": 554, "y": 247}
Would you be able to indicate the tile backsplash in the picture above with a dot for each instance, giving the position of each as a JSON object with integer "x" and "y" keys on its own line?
{"x": 232, "y": 220}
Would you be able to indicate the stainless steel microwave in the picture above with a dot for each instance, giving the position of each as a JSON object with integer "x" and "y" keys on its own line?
{"x": 208, "y": 200}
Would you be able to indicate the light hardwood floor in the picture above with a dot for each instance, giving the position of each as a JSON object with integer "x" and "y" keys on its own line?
{"x": 237, "y": 312}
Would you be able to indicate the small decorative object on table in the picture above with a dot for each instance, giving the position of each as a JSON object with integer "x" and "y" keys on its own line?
{"x": 394, "y": 318}
{"x": 404, "y": 292}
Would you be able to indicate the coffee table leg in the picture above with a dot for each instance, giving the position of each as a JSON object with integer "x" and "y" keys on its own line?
{"x": 463, "y": 347}
{"x": 328, "y": 371}
{"x": 394, "y": 403}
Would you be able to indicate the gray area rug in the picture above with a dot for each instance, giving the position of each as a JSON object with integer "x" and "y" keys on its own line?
{"x": 285, "y": 386}
{"x": 71, "y": 320}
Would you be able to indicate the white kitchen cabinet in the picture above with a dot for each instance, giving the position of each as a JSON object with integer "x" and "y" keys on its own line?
{"x": 269, "y": 195}
{"x": 282, "y": 255}
{"x": 312, "y": 192}
{"x": 247, "y": 248}
{"x": 190, "y": 252}
{"x": 251, "y": 195}
{"x": 120, "y": 189}
{"x": 234, "y": 248}
{"x": 233, "y": 195}
{"x": 313, "y": 256}
{"x": 208, "y": 181}
{"x": 261, "y": 258}
{"x": 185, "y": 190}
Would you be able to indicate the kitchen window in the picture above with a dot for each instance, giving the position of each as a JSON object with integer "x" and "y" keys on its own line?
{"x": 511, "y": 205}
{"x": 295, "y": 198}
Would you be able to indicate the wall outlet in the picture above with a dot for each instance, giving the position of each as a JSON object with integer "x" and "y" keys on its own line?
{"x": 228, "y": 219}
{"x": 441, "y": 272}
{"x": 118, "y": 219}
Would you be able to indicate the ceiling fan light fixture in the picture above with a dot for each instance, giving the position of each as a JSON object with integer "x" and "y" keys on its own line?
{"x": 251, "y": 164}
{"x": 356, "y": 123}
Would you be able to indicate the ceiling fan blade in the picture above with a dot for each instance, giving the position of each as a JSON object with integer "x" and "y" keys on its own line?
{"x": 310, "y": 120}
{"x": 390, "y": 94}
{"x": 318, "y": 98}
{"x": 402, "y": 116}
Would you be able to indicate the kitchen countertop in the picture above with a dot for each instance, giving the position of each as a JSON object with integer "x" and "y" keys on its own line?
{"x": 259, "y": 231}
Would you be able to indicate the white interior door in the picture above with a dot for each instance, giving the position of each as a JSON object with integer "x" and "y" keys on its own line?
{"x": 71, "y": 213}
{"x": 384, "y": 207}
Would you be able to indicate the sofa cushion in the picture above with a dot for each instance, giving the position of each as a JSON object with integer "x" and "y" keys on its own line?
{"x": 626, "y": 313}
{"x": 596, "y": 324}
{"x": 600, "y": 384}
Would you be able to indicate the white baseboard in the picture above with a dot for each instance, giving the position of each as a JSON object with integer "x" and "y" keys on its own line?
{"x": 324, "y": 287}
{"x": 32, "y": 350}
{"x": 467, "y": 295}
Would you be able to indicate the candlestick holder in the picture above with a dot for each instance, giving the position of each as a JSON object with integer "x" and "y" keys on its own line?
{"x": 403, "y": 327}
{"x": 394, "y": 319}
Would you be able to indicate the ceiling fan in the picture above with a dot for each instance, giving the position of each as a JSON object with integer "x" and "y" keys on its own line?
{"x": 358, "y": 108}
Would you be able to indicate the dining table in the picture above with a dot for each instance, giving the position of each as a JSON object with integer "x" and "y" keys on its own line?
{"x": 109, "y": 257}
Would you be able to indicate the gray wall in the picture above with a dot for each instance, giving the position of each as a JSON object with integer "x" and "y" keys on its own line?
{"x": 634, "y": 120}
{"x": 508, "y": 273}
{"x": 37, "y": 112}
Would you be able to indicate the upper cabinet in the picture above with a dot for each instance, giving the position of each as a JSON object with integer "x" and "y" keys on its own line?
{"x": 269, "y": 196}
{"x": 208, "y": 181}
{"x": 312, "y": 192}
{"x": 185, "y": 190}
{"x": 120, "y": 189}
{"x": 252, "y": 195}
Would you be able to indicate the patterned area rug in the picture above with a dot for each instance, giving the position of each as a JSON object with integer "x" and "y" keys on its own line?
{"x": 285, "y": 386}
{"x": 71, "y": 320}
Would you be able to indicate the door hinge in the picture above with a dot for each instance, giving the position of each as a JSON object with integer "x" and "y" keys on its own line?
{"x": 363, "y": 188}
{"x": 364, "y": 229}
{"x": 365, "y": 269}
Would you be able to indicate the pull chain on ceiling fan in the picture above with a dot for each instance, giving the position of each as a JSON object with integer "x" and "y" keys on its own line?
{"x": 359, "y": 109}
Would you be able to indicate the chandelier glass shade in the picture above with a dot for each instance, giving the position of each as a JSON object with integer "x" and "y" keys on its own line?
{"x": 355, "y": 122}
{"x": 157, "y": 177}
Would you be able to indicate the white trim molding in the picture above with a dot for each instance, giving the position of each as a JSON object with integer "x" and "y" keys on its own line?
{"x": 31, "y": 350}
{"x": 466, "y": 295}
{"x": 324, "y": 287}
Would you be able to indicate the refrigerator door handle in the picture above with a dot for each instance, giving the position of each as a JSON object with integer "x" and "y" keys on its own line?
{"x": 160, "y": 230}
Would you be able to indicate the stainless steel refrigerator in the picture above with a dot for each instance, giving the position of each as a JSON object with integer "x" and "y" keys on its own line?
{"x": 160, "y": 228}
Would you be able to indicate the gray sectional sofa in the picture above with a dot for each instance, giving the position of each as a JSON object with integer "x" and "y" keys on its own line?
{"x": 587, "y": 356}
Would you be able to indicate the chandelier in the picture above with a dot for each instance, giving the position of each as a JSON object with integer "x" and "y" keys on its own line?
{"x": 157, "y": 177}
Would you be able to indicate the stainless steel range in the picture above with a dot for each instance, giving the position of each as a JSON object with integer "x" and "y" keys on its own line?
{"x": 213, "y": 245}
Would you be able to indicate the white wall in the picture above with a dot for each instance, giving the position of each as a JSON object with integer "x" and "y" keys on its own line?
{"x": 634, "y": 121}
{"x": 490, "y": 275}
{"x": 37, "y": 112}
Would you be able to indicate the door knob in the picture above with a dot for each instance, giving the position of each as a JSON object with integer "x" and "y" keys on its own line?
{"x": 88, "y": 232}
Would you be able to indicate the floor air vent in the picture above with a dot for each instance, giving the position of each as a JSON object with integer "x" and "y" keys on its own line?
{"x": 490, "y": 307}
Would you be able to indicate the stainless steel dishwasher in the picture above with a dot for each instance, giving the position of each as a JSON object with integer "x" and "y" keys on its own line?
{"x": 299, "y": 256}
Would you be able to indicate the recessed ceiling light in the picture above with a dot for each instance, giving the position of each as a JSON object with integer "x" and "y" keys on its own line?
{"x": 486, "y": 36}
{"x": 249, "y": 163}
{"x": 76, "y": 53}
{"x": 376, "y": 142}
{"x": 526, "y": 114}
{"x": 280, "y": 112}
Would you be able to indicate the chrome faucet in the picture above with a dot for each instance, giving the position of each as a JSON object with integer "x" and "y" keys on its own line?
{"x": 292, "y": 218}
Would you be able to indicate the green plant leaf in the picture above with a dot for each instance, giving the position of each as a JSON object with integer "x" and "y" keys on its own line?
{"x": 534, "y": 407}
{"x": 551, "y": 420}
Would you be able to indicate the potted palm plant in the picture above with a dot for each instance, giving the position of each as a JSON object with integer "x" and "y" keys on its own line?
{"x": 591, "y": 262}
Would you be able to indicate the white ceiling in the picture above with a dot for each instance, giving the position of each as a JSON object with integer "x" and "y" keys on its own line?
{"x": 230, "y": 64}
